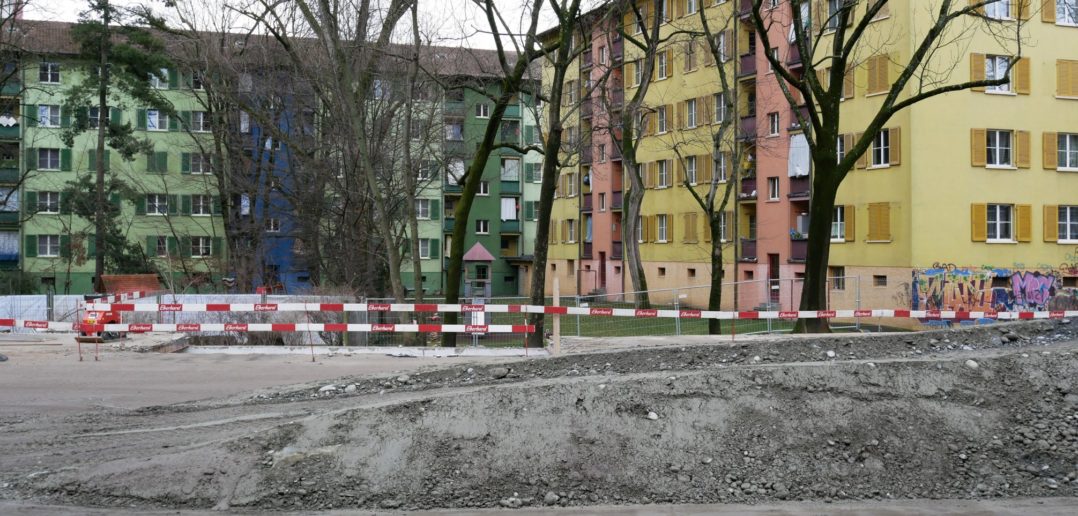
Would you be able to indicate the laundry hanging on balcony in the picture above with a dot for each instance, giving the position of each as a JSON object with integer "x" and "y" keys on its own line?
{"x": 800, "y": 161}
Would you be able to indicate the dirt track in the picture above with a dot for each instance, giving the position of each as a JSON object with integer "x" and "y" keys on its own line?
{"x": 822, "y": 419}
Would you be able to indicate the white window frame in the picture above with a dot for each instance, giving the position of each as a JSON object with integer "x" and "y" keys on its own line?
{"x": 482, "y": 110}
{"x": 994, "y": 212}
{"x": 663, "y": 66}
{"x": 204, "y": 204}
{"x": 838, "y": 224}
{"x": 690, "y": 169}
{"x": 724, "y": 55}
{"x": 273, "y": 225}
{"x": 662, "y": 177}
{"x": 48, "y": 203}
{"x": 602, "y": 55}
{"x": 93, "y": 116}
{"x": 159, "y": 118}
{"x": 159, "y": 203}
{"x": 998, "y": 10}
{"x": 661, "y": 119}
{"x": 602, "y": 201}
{"x": 422, "y": 209}
{"x": 773, "y": 124}
{"x": 832, "y": 19}
{"x": 245, "y": 122}
{"x": 660, "y": 229}
{"x": 203, "y": 245}
{"x": 722, "y": 170}
{"x": 1068, "y": 225}
{"x": 722, "y": 227}
{"x": 840, "y": 147}
{"x": 484, "y": 188}
{"x": 995, "y": 67}
{"x": 720, "y": 107}
{"x": 638, "y": 73}
{"x": 1067, "y": 152}
{"x": 774, "y": 54}
{"x": 640, "y": 229}
{"x": 1067, "y": 13}
{"x": 773, "y": 189}
{"x": 47, "y": 162}
{"x": 691, "y": 7}
{"x": 602, "y": 153}
{"x": 204, "y": 164}
{"x": 159, "y": 80}
{"x": 200, "y": 122}
{"x": 424, "y": 248}
{"x": 48, "y": 115}
{"x": 160, "y": 247}
{"x": 881, "y": 150}
{"x": 690, "y": 113}
{"x": 48, "y": 246}
{"x": 482, "y": 227}
{"x": 571, "y": 229}
{"x": 49, "y": 69}
{"x": 999, "y": 154}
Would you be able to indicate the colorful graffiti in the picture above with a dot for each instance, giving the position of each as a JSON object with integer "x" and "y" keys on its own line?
{"x": 947, "y": 286}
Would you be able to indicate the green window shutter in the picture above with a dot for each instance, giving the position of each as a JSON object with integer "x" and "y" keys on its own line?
{"x": 216, "y": 202}
{"x": 30, "y": 248}
{"x": 151, "y": 162}
{"x": 529, "y": 210}
{"x": 30, "y": 113}
{"x": 529, "y": 134}
{"x": 173, "y": 204}
{"x": 185, "y": 163}
{"x": 173, "y": 246}
{"x": 435, "y": 209}
{"x": 65, "y": 246}
{"x": 65, "y": 160}
{"x": 151, "y": 245}
{"x": 65, "y": 203}
{"x": 140, "y": 206}
{"x": 91, "y": 246}
{"x": 31, "y": 159}
{"x": 435, "y": 245}
{"x": 185, "y": 206}
{"x": 65, "y": 117}
{"x": 173, "y": 78}
{"x": 83, "y": 114}
{"x": 116, "y": 116}
{"x": 161, "y": 162}
{"x": 173, "y": 124}
{"x": 117, "y": 204}
{"x": 29, "y": 201}
{"x": 108, "y": 160}
{"x": 185, "y": 246}
{"x": 186, "y": 117}
{"x": 216, "y": 246}
{"x": 140, "y": 119}
{"x": 91, "y": 159}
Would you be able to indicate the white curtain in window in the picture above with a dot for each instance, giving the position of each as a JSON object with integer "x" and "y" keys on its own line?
{"x": 9, "y": 245}
{"x": 509, "y": 208}
{"x": 800, "y": 161}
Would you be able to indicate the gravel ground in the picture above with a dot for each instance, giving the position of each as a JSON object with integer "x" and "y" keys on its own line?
{"x": 984, "y": 413}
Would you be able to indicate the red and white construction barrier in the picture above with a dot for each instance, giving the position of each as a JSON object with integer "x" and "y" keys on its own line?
{"x": 270, "y": 327}
{"x": 565, "y": 310}
{"x": 127, "y": 296}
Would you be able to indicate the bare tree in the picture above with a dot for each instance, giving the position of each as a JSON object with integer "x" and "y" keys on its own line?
{"x": 836, "y": 42}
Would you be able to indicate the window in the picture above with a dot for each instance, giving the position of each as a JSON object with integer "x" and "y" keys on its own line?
{"x": 484, "y": 188}
{"x": 570, "y": 231}
{"x": 602, "y": 153}
{"x": 722, "y": 227}
{"x": 638, "y": 73}
{"x": 201, "y": 205}
{"x": 690, "y": 113}
{"x": 510, "y": 169}
{"x": 273, "y": 225}
{"x": 999, "y": 148}
{"x": 1068, "y": 223}
{"x": 49, "y": 73}
{"x": 719, "y": 164}
{"x": 641, "y": 23}
{"x": 1068, "y": 151}
{"x": 160, "y": 247}
{"x": 196, "y": 80}
{"x": 93, "y": 117}
{"x": 602, "y": 201}
{"x": 201, "y": 247}
{"x": 422, "y": 208}
{"x": 995, "y": 67}
{"x": 661, "y": 116}
{"x": 156, "y": 204}
{"x": 48, "y": 202}
{"x": 482, "y": 110}
{"x": 454, "y": 130}
{"x": 720, "y": 43}
{"x": 200, "y": 164}
{"x": 879, "y": 280}
{"x": 245, "y": 122}
{"x": 772, "y": 4}
{"x": 664, "y": 9}
{"x": 424, "y": 248}
{"x": 999, "y": 10}
{"x": 720, "y": 107}
{"x": 881, "y": 149}
{"x": 660, "y": 228}
{"x": 772, "y": 188}
{"x": 841, "y": 146}
{"x": 833, "y": 7}
{"x": 663, "y": 68}
{"x": 662, "y": 176}
{"x": 690, "y": 169}
{"x": 200, "y": 121}
{"x": 838, "y": 224}
{"x": 838, "y": 277}
{"x": 482, "y": 227}
{"x": 48, "y": 159}
{"x": 48, "y": 246}
{"x": 690, "y": 55}
{"x": 773, "y": 124}
{"x": 48, "y": 115}
{"x": 156, "y": 120}
{"x": 774, "y": 55}
{"x": 602, "y": 55}
{"x": 1000, "y": 228}
{"x": 640, "y": 229}
{"x": 690, "y": 6}
{"x": 1067, "y": 12}
{"x": 662, "y": 272}
{"x": 159, "y": 80}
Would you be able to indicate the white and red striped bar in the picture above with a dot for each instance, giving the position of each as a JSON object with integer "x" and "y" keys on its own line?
{"x": 566, "y": 310}
{"x": 269, "y": 327}
{"x": 127, "y": 296}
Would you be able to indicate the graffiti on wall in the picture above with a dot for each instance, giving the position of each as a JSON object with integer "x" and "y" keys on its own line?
{"x": 946, "y": 286}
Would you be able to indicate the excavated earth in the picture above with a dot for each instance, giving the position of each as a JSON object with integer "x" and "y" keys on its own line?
{"x": 979, "y": 413}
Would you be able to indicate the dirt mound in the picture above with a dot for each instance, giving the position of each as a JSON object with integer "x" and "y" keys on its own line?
{"x": 802, "y": 420}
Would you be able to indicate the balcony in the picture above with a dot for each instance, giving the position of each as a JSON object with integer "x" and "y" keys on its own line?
{"x": 450, "y": 185}
{"x": 747, "y": 66}
{"x": 616, "y": 201}
{"x": 447, "y": 225}
{"x": 747, "y": 128}
{"x": 586, "y": 60}
{"x": 9, "y": 218}
{"x": 617, "y": 50}
{"x": 794, "y": 124}
{"x": 456, "y": 148}
{"x": 585, "y": 251}
{"x": 617, "y": 99}
{"x": 618, "y": 251}
{"x": 585, "y": 153}
{"x": 793, "y": 61}
{"x": 746, "y": 9}
{"x": 799, "y": 188}
{"x": 586, "y": 108}
{"x": 798, "y": 250}
{"x": 748, "y": 250}
{"x": 9, "y": 174}
{"x": 9, "y": 262}
{"x": 454, "y": 109}
{"x": 510, "y": 226}
{"x": 587, "y": 206}
{"x": 12, "y": 86}
{"x": 748, "y": 188}
{"x": 512, "y": 110}
{"x": 510, "y": 187}
{"x": 9, "y": 133}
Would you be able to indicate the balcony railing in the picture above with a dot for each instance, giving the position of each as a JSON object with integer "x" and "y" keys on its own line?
{"x": 586, "y": 108}
{"x": 512, "y": 111}
{"x": 799, "y": 188}
{"x": 748, "y": 250}
{"x": 618, "y": 250}
{"x": 9, "y": 175}
{"x": 510, "y": 226}
{"x": 450, "y": 184}
{"x": 748, "y": 188}
{"x": 616, "y": 201}
{"x": 510, "y": 188}
{"x": 447, "y": 225}
{"x": 585, "y": 153}
{"x": 587, "y": 206}
{"x": 617, "y": 99}
{"x": 747, "y": 65}
{"x": 793, "y": 61}
{"x": 9, "y": 262}
{"x": 585, "y": 251}
{"x": 9, "y": 133}
{"x": 457, "y": 148}
{"x": 617, "y": 50}
{"x": 745, "y": 8}
{"x": 586, "y": 60}
{"x": 453, "y": 108}
{"x": 798, "y": 250}
{"x": 748, "y": 128}
{"x": 8, "y": 218}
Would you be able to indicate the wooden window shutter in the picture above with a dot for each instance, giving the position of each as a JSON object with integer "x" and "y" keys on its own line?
{"x": 565, "y": 231}
{"x": 645, "y": 228}
{"x": 679, "y": 8}
{"x": 688, "y": 55}
{"x": 850, "y": 212}
{"x": 729, "y": 223}
{"x": 653, "y": 171}
{"x": 1023, "y": 222}
{"x": 978, "y": 147}
{"x": 653, "y": 124}
{"x": 1022, "y": 149}
{"x": 1022, "y": 76}
{"x": 879, "y": 221}
{"x": 553, "y": 230}
{"x": 818, "y": 15}
{"x": 873, "y": 75}
{"x": 703, "y": 169}
{"x": 862, "y": 162}
{"x": 978, "y": 222}
{"x": 1066, "y": 78}
{"x": 976, "y": 70}
{"x": 1048, "y": 11}
{"x": 847, "y": 142}
{"x": 709, "y": 58}
{"x": 655, "y": 228}
{"x": 682, "y": 115}
{"x": 1050, "y": 146}
{"x": 706, "y": 228}
{"x": 980, "y": 8}
{"x": 703, "y": 111}
{"x": 680, "y": 172}
{"x": 848, "y": 91}
{"x": 895, "y": 139}
{"x": 1023, "y": 8}
{"x": 884, "y": 69}
{"x": 1051, "y": 223}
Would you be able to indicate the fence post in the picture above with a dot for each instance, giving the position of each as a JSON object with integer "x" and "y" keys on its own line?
{"x": 857, "y": 304}
{"x": 557, "y": 318}
{"x": 677, "y": 308}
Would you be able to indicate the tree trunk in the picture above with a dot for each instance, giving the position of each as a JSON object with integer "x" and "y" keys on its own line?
{"x": 100, "y": 206}
{"x": 632, "y": 247}
{"x": 814, "y": 290}
{"x": 714, "y": 299}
